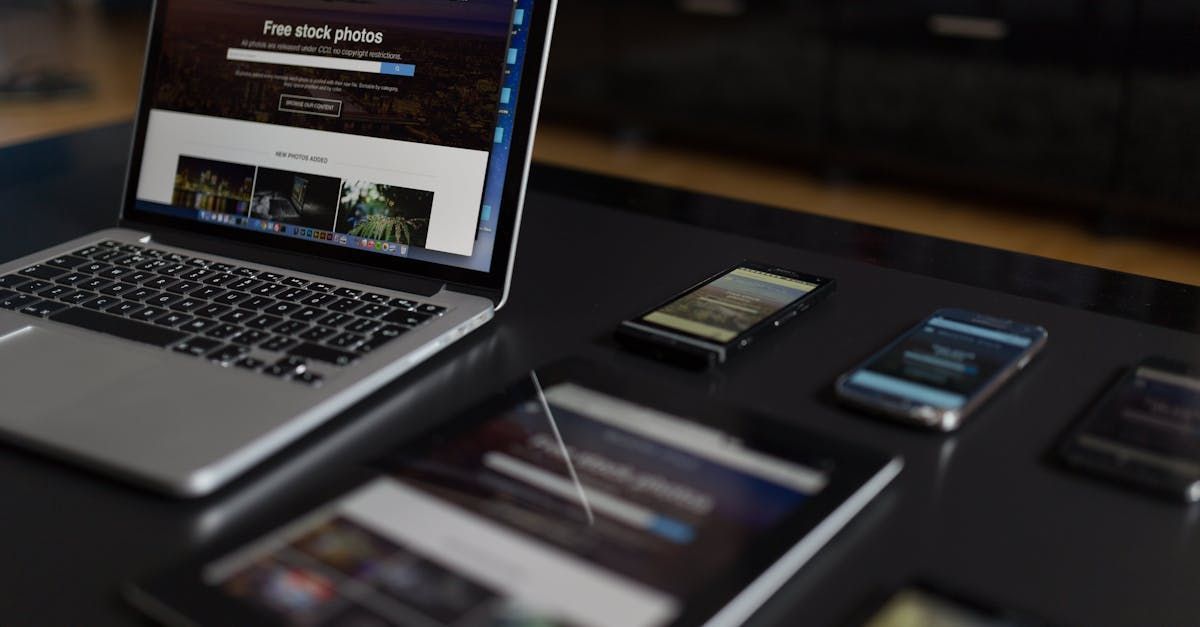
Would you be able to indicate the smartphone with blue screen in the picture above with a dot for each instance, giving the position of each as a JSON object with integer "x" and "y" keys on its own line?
{"x": 942, "y": 370}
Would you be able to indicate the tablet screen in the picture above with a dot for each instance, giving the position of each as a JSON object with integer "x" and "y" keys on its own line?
{"x": 568, "y": 507}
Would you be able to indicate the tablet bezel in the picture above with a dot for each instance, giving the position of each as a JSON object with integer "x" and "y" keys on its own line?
{"x": 179, "y": 594}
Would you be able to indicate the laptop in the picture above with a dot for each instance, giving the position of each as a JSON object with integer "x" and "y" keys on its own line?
{"x": 321, "y": 195}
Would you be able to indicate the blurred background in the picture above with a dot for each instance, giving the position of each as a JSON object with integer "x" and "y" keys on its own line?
{"x": 1063, "y": 128}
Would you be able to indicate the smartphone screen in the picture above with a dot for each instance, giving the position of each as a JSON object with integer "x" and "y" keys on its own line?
{"x": 1153, "y": 419}
{"x": 942, "y": 363}
{"x": 729, "y": 305}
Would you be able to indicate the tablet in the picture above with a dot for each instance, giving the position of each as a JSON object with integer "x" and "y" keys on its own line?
{"x": 576, "y": 496}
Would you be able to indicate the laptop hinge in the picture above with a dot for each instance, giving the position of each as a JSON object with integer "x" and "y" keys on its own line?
{"x": 339, "y": 270}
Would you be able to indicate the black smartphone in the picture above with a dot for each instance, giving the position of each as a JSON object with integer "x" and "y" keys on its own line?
{"x": 725, "y": 313}
{"x": 941, "y": 370}
{"x": 1144, "y": 431}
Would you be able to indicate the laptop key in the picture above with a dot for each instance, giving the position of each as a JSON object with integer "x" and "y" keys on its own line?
{"x": 196, "y": 346}
{"x": 16, "y": 301}
{"x": 345, "y": 340}
{"x": 363, "y": 325}
{"x": 124, "y": 308}
{"x": 406, "y": 318}
{"x": 268, "y": 289}
{"x": 188, "y": 304}
{"x": 184, "y": 287}
{"x": 344, "y": 305}
{"x": 93, "y": 285}
{"x": 196, "y": 274}
{"x": 250, "y": 363}
{"x": 325, "y": 354}
{"x": 335, "y": 319}
{"x": 278, "y": 344}
{"x": 56, "y": 292}
{"x": 212, "y": 310}
{"x": 373, "y": 311}
{"x": 271, "y": 276}
{"x": 217, "y": 266}
{"x": 153, "y": 265}
{"x": 231, "y": 298}
{"x": 307, "y": 314}
{"x": 42, "y": 308}
{"x": 346, "y": 292}
{"x": 432, "y": 310}
{"x": 174, "y": 270}
{"x": 290, "y": 327}
{"x": 248, "y": 272}
{"x": 109, "y": 255}
{"x": 250, "y": 337}
{"x": 293, "y": 294}
{"x": 197, "y": 325}
{"x": 42, "y": 272}
{"x": 101, "y": 302}
{"x": 378, "y": 299}
{"x": 220, "y": 279}
{"x": 115, "y": 272}
{"x": 148, "y": 314}
{"x": 275, "y": 371}
{"x": 172, "y": 319}
{"x": 374, "y": 342}
{"x": 77, "y": 298}
{"x": 89, "y": 251}
{"x": 256, "y": 302}
{"x": 404, "y": 303}
{"x": 228, "y": 354}
{"x": 141, "y": 293}
{"x": 207, "y": 292}
{"x": 224, "y": 331}
{"x": 67, "y": 262}
{"x": 118, "y": 289}
{"x": 243, "y": 285}
{"x": 33, "y": 287}
{"x": 163, "y": 300}
{"x": 316, "y": 334}
{"x": 281, "y": 309}
{"x": 264, "y": 322}
{"x": 11, "y": 281}
{"x": 292, "y": 281}
{"x": 321, "y": 287}
{"x": 138, "y": 276}
{"x": 318, "y": 300}
{"x": 131, "y": 260}
{"x": 120, "y": 327}
{"x": 160, "y": 283}
{"x": 72, "y": 278}
{"x": 238, "y": 316}
{"x": 108, "y": 243}
{"x": 392, "y": 330}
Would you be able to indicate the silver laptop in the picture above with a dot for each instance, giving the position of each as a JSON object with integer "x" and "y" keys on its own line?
{"x": 321, "y": 195}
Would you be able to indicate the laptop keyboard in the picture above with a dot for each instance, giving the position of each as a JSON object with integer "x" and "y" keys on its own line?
{"x": 278, "y": 325}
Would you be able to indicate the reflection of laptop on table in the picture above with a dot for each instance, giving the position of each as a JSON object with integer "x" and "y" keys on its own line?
{"x": 200, "y": 337}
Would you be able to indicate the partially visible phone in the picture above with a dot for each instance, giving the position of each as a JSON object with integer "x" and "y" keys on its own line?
{"x": 940, "y": 371}
{"x": 1144, "y": 431}
{"x": 921, "y": 606}
{"x": 705, "y": 324}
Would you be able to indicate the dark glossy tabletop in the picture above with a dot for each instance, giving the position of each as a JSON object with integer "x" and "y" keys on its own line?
{"x": 984, "y": 511}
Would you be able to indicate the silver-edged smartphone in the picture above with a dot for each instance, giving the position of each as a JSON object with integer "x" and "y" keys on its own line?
{"x": 727, "y": 312}
{"x": 942, "y": 370}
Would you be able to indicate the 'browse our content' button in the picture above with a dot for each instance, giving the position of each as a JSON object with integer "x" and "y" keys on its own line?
{"x": 310, "y": 105}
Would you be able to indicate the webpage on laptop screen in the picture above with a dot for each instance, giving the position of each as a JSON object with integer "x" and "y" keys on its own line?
{"x": 380, "y": 126}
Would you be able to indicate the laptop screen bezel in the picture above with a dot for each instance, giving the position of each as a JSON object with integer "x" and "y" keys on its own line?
{"x": 492, "y": 282}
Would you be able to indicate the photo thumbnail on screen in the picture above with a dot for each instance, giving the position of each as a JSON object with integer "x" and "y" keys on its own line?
{"x": 214, "y": 186}
{"x": 307, "y": 200}
{"x": 385, "y": 213}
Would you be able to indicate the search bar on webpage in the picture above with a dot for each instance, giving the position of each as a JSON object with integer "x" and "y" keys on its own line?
{"x": 324, "y": 63}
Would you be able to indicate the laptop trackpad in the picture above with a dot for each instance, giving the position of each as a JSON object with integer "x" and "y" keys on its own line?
{"x": 46, "y": 371}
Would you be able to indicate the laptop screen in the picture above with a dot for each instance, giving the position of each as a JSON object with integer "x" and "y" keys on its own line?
{"x": 381, "y": 126}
